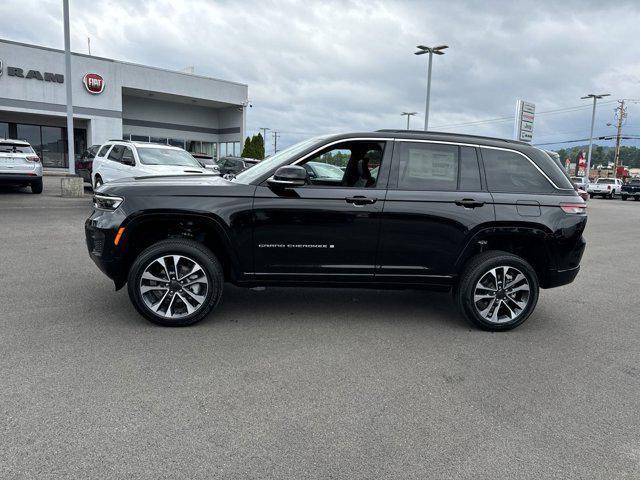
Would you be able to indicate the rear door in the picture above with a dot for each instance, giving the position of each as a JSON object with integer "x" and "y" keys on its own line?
{"x": 436, "y": 199}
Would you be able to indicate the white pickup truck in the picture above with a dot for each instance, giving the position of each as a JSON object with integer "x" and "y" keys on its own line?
{"x": 606, "y": 187}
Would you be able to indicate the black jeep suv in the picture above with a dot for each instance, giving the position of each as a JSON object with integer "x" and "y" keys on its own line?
{"x": 491, "y": 220}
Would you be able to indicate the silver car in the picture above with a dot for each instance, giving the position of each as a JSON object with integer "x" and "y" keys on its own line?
{"x": 20, "y": 165}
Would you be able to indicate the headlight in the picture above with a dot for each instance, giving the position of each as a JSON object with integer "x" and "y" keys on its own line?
{"x": 105, "y": 202}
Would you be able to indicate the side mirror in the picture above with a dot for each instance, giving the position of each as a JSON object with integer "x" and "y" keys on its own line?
{"x": 289, "y": 176}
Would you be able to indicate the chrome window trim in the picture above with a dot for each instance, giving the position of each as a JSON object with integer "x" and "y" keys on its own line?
{"x": 489, "y": 147}
{"x": 344, "y": 140}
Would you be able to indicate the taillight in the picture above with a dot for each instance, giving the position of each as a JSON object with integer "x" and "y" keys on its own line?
{"x": 574, "y": 208}
{"x": 33, "y": 158}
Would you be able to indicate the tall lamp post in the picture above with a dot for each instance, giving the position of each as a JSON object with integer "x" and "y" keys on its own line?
{"x": 593, "y": 119}
{"x": 431, "y": 51}
{"x": 409, "y": 115}
{"x": 68, "y": 81}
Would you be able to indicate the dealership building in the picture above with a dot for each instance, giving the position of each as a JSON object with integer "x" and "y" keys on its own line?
{"x": 113, "y": 100}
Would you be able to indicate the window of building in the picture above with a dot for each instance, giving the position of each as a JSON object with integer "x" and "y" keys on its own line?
{"x": 4, "y": 130}
{"x": 54, "y": 146}
{"x": 426, "y": 166}
{"x": 223, "y": 149}
{"x": 209, "y": 148}
{"x": 160, "y": 140}
{"x": 509, "y": 171}
{"x": 139, "y": 138}
{"x": 176, "y": 142}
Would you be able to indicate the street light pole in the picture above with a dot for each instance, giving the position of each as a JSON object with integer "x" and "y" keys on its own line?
{"x": 264, "y": 138}
{"x": 593, "y": 119}
{"x": 431, "y": 51}
{"x": 408, "y": 114}
{"x": 69, "y": 81}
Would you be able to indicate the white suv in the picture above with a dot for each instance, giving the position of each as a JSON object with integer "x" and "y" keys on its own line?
{"x": 20, "y": 165}
{"x": 122, "y": 159}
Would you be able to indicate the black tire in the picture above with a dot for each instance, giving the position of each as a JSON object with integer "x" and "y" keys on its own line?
{"x": 475, "y": 269}
{"x": 98, "y": 182}
{"x": 636, "y": 198}
{"x": 191, "y": 250}
{"x": 36, "y": 186}
{"x": 623, "y": 197}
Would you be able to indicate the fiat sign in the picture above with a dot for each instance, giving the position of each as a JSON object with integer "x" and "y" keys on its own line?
{"x": 93, "y": 82}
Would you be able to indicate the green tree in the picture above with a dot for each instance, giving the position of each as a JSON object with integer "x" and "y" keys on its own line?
{"x": 246, "y": 150}
{"x": 258, "y": 146}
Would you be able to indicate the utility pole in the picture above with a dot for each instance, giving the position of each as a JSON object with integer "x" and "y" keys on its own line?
{"x": 621, "y": 113}
{"x": 593, "y": 119}
{"x": 68, "y": 81}
{"x": 408, "y": 114}
{"x": 275, "y": 141}
{"x": 264, "y": 138}
{"x": 431, "y": 51}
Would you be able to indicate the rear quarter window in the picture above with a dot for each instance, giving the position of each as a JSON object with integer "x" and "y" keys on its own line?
{"x": 510, "y": 172}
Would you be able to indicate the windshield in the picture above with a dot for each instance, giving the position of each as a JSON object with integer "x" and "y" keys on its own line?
{"x": 606, "y": 181}
{"x": 15, "y": 148}
{"x": 166, "y": 156}
{"x": 281, "y": 158}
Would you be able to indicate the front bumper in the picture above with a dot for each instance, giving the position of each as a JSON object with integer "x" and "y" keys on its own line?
{"x": 100, "y": 232}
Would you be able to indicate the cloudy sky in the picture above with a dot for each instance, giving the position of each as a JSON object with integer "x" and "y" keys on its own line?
{"x": 318, "y": 67}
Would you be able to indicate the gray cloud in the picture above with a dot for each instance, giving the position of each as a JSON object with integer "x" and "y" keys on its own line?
{"x": 317, "y": 67}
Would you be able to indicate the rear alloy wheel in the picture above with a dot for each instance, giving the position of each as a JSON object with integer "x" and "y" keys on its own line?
{"x": 36, "y": 186}
{"x": 623, "y": 197}
{"x": 175, "y": 283}
{"x": 497, "y": 291}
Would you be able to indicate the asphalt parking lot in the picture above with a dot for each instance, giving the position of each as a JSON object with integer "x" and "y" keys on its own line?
{"x": 292, "y": 383}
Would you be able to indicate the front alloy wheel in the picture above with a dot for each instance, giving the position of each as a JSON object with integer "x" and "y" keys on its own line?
{"x": 173, "y": 286}
{"x": 175, "y": 282}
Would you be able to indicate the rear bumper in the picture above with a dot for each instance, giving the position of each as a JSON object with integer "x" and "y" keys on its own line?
{"x": 557, "y": 278}
{"x": 19, "y": 178}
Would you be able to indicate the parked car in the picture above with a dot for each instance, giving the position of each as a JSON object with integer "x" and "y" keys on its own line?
{"x": 605, "y": 187}
{"x": 235, "y": 165}
{"x": 207, "y": 162}
{"x": 582, "y": 193}
{"x": 581, "y": 182}
{"x": 493, "y": 220}
{"x": 118, "y": 159}
{"x": 631, "y": 189}
{"x": 20, "y": 166}
{"x": 84, "y": 165}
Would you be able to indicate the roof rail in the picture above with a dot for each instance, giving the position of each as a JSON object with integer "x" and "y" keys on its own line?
{"x": 449, "y": 134}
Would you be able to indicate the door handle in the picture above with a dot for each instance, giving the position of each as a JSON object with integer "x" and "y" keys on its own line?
{"x": 469, "y": 203}
{"x": 360, "y": 200}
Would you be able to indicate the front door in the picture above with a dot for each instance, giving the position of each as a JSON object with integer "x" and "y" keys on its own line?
{"x": 328, "y": 229}
{"x": 436, "y": 199}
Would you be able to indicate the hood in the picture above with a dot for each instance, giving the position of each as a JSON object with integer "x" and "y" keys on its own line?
{"x": 169, "y": 170}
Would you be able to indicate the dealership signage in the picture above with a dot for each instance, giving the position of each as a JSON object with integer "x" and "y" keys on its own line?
{"x": 523, "y": 127}
{"x": 94, "y": 83}
{"x": 42, "y": 76}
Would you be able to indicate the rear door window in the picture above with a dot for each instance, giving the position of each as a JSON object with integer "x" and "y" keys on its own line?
{"x": 426, "y": 166}
{"x": 510, "y": 172}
